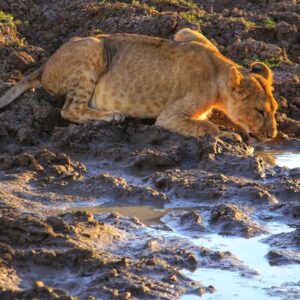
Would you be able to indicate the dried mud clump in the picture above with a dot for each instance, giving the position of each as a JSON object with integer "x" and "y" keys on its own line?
{"x": 45, "y": 164}
{"x": 27, "y": 123}
{"x": 231, "y": 220}
{"x": 284, "y": 248}
{"x": 189, "y": 223}
{"x": 286, "y": 188}
{"x": 278, "y": 257}
{"x": 202, "y": 186}
{"x": 40, "y": 291}
{"x": 183, "y": 184}
{"x": 253, "y": 50}
{"x": 288, "y": 290}
{"x": 117, "y": 188}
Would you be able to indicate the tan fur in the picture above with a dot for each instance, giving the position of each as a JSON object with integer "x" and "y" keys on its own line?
{"x": 111, "y": 76}
{"x": 189, "y": 35}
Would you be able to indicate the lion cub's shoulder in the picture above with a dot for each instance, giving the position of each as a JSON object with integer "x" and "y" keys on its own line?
{"x": 188, "y": 35}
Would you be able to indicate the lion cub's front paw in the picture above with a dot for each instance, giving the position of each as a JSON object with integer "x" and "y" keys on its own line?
{"x": 115, "y": 116}
{"x": 230, "y": 135}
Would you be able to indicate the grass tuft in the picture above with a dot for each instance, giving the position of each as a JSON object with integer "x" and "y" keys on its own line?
{"x": 8, "y": 32}
{"x": 271, "y": 63}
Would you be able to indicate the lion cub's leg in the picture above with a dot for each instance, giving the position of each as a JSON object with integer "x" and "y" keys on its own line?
{"x": 185, "y": 125}
{"x": 188, "y": 35}
{"x": 177, "y": 117}
{"x": 74, "y": 70}
{"x": 76, "y": 108}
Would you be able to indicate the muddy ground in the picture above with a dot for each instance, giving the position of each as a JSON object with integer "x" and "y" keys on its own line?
{"x": 48, "y": 165}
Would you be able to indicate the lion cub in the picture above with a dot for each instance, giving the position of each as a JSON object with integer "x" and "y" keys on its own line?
{"x": 109, "y": 77}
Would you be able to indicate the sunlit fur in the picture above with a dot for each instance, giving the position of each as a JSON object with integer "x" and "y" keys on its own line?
{"x": 257, "y": 107}
{"x": 252, "y": 106}
{"x": 250, "y": 102}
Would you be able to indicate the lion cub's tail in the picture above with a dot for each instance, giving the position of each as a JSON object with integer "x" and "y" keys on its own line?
{"x": 30, "y": 81}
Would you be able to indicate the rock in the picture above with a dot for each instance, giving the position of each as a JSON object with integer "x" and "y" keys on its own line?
{"x": 20, "y": 60}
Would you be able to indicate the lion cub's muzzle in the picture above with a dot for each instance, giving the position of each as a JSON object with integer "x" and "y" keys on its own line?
{"x": 264, "y": 135}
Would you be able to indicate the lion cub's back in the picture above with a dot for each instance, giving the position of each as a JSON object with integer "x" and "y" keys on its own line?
{"x": 141, "y": 77}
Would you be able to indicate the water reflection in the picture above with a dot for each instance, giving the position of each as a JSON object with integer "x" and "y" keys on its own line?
{"x": 287, "y": 159}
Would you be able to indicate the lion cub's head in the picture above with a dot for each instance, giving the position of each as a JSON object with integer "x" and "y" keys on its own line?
{"x": 252, "y": 105}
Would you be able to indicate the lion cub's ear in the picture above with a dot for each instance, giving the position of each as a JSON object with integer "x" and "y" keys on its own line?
{"x": 235, "y": 78}
{"x": 235, "y": 82}
{"x": 262, "y": 70}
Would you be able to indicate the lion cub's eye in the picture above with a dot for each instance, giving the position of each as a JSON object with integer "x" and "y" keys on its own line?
{"x": 261, "y": 112}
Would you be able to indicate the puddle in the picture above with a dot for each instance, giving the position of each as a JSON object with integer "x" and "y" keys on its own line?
{"x": 147, "y": 214}
{"x": 229, "y": 285}
{"x": 287, "y": 159}
{"x": 252, "y": 252}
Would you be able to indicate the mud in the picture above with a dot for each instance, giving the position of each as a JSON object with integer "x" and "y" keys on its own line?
{"x": 181, "y": 194}
{"x": 284, "y": 248}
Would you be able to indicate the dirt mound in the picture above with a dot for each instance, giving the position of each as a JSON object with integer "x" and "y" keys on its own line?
{"x": 253, "y": 50}
{"x": 231, "y": 220}
{"x": 204, "y": 186}
{"x": 284, "y": 248}
{"x": 45, "y": 165}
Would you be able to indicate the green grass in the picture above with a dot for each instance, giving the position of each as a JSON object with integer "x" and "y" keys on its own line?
{"x": 197, "y": 16}
{"x": 247, "y": 23}
{"x": 187, "y": 3}
{"x": 122, "y": 1}
{"x": 8, "y": 27}
{"x": 6, "y": 20}
{"x": 191, "y": 17}
{"x": 269, "y": 24}
{"x": 19, "y": 44}
{"x": 271, "y": 63}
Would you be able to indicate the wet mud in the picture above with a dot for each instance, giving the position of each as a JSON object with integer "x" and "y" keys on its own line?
{"x": 132, "y": 211}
